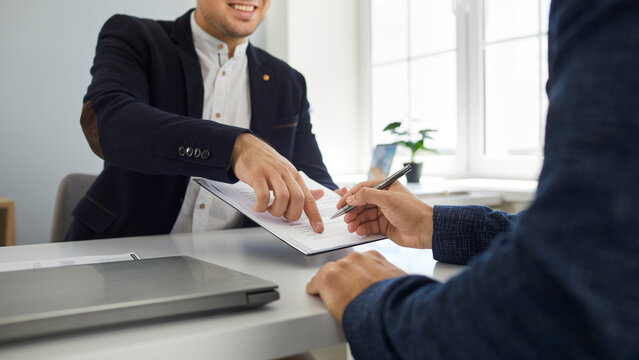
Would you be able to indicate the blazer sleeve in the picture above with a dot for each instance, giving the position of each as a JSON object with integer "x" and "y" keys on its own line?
{"x": 461, "y": 232}
{"x": 306, "y": 155}
{"x": 121, "y": 126}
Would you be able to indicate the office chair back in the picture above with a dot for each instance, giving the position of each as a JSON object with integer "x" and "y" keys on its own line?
{"x": 72, "y": 188}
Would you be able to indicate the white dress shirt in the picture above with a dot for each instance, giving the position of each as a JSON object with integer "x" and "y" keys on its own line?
{"x": 227, "y": 101}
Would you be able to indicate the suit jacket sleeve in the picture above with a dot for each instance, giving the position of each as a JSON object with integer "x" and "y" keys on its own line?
{"x": 306, "y": 155}
{"x": 125, "y": 130}
{"x": 461, "y": 232}
{"x": 563, "y": 281}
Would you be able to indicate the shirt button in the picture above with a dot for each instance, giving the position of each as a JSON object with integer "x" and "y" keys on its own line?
{"x": 218, "y": 115}
{"x": 223, "y": 73}
{"x": 220, "y": 46}
{"x": 197, "y": 153}
{"x": 189, "y": 151}
{"x": 202, "y": 206}
{"x": 181, "y": 151}
{"x": 205, "y": 154}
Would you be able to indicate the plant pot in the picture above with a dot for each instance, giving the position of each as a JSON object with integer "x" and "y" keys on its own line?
{"x": 414, "y": 175}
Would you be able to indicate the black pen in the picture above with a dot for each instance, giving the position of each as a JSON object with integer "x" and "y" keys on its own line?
{"x": 382, "y": 185}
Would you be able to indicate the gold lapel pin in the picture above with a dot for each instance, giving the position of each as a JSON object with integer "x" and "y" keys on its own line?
{"x": 266, "y": 77}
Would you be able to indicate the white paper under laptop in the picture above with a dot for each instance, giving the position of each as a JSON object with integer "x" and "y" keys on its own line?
{"x": 297, "y": 234}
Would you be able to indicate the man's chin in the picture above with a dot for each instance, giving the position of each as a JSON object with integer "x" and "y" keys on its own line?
{"x": 242, "y": 31}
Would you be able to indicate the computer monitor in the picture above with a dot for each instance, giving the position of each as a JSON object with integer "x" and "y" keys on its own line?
{"x": 382, "y": 161}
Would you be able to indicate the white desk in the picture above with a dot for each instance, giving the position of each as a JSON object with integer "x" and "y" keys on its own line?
{"x": 503, "y": 194}
{"x": 509, "y": 190}
{"x": 293, "y": 324}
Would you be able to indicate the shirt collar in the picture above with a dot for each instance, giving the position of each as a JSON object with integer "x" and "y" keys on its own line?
{"x": 207, "y": 42}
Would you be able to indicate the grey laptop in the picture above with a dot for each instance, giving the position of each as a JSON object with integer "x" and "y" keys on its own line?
{"x": 56, "y": 300}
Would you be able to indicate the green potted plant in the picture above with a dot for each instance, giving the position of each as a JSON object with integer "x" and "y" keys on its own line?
{"x": 414, "y": 144}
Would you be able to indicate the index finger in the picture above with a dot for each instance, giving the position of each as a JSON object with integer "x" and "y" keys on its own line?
{"x": 369, "y": 183}
{"x": 311, "y": 286}
{"x": 310, "y": 207}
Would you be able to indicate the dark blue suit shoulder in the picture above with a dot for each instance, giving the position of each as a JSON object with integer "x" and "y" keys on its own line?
{"x": 129, "y": 24}
{"x": 276, "y": 64}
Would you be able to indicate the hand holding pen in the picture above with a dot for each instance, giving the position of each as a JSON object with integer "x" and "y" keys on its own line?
{"x": 395, "y": 212}
{"x": 382, "y": 185}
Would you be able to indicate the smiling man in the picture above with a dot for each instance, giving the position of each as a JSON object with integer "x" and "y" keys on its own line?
{"x": 230, "y": 22}
{"x": 171, "y": 100}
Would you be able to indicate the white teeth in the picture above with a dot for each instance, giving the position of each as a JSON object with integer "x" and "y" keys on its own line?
{"x": 243, "y": 7}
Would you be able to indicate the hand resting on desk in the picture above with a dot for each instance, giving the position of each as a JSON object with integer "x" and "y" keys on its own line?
{"x": 339, "y": 282}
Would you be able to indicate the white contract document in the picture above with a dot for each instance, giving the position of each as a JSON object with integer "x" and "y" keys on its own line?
{"x": 299, "y": 233}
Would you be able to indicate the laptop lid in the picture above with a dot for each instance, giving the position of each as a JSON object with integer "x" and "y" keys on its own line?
{"x": 55, "y": 300}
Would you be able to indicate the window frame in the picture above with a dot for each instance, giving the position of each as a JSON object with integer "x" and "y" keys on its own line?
{"x": 470, "y": 159}
{"x": 481, "y": 164}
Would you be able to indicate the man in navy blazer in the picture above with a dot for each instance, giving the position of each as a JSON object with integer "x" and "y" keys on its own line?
{"x": 142, "y": 114}
{"x": 559, "y": 281}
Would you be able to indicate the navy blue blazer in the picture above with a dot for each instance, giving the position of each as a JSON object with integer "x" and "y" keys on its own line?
{"x": 561, "y": 280}
{"x": 142, "y": 115}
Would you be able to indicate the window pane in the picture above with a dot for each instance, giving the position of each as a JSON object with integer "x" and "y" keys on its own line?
{"x": 512, "y": 103}
{"x": 434, "y": 99}
{"x": 505, "y": 19}
{"x": 389, "y": 30}
{"x": 432, "y": 25}
{"x": 389, "y": 99}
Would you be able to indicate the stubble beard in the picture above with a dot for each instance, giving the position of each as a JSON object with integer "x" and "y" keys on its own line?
{"x": 225, "y": 29}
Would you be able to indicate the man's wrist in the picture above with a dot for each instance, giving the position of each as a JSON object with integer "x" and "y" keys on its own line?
{"x": 427, "y": 230}
{"x": 240, "y": 143}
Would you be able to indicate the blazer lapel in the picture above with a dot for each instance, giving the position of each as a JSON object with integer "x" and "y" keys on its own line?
{"x": 182, "y": 35}
{"x": 262, "y": 88}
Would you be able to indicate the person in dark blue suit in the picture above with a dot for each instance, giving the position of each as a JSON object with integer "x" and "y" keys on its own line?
{"x": 171, "y": 100}
{"x": 560, "y": 280}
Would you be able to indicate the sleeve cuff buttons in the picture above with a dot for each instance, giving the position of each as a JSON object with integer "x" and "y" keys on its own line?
{"x": 194, "y": 152}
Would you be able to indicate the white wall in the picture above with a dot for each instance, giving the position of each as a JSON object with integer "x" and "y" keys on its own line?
{"x": 320, "y": 39}
{"x": 47, "y": 49}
